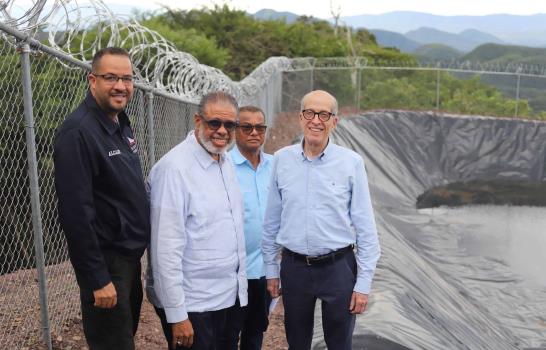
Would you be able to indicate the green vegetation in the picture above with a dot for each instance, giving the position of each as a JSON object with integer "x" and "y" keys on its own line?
{"x": 404, "y": 89}
{"x": 507, "y": 54}
{"x": 246, "y": 42}
{"x": 237, "y": 43}
{"x": 496, "y": 192}
{"x": 533, "y": 60}
{"x": 51, "y": 102}
{"x": 436, "y": 52}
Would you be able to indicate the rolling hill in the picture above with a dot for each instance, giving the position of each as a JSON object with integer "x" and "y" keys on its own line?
{"x": 393, "y": 39}
{"x": 436, "y": 52}
{"x": 464, "y": 41}
{"x": 504, "y": 54}
{"x": 522, "y": 30}
{"x": 265, "y": 14}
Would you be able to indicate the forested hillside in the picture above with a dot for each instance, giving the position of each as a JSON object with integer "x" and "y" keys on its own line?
{"x": 504, "y": 54}
{"x": 236, "y": 43}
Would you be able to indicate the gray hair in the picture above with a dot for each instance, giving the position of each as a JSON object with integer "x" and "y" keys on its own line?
{"x": 217, "y": 97}
{"x": 334, "y": 101}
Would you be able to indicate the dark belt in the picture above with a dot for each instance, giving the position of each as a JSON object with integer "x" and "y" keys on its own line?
{"x": 318, "y": 260}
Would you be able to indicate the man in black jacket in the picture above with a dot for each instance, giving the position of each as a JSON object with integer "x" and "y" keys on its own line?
{"x": 103, "y": 206}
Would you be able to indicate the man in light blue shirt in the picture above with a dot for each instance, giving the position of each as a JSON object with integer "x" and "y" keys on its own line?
{"x": 318, "y": 209}
{"x": 253, "y": 169}
{"x": 197, "y": 246}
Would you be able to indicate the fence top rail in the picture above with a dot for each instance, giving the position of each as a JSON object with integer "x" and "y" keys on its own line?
{"x": 405, "y": 68}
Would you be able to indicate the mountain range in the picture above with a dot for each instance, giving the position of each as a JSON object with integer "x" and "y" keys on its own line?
{"x": 464, "y": 41}
{"x": 521, "y": 30}
{"x": 500, "y": 28}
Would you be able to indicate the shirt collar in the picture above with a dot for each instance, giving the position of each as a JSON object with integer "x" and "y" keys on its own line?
{"x": 323, "y": 156}
{"x": 203, "y": 157}
{"x": 236, "y": 156}
{"x": 239, "y": 159}
{"x": 107, "y": 123}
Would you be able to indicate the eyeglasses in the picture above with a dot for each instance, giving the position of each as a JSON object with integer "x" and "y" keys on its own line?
{"x": 248, "y": 128}
{"x": 216, "y": 124}
{"x": 323, "y": 116}
{"x": 113, "y": 79}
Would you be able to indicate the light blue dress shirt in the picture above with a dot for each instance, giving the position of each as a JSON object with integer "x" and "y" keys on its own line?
{"x": 320, "y": 205}
{"x": 254, "y": 185}
{"x": 197, "y": 246}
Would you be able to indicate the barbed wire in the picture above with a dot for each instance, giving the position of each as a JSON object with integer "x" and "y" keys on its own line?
{"x": 82, "y": 30}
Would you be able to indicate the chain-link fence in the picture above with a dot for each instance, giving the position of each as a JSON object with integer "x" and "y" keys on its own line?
{"x": 38, "y": 90}
{"x": 40, "y": 87}
{"x": 461, "y": 89}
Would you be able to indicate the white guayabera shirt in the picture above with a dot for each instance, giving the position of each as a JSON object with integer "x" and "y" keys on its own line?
{"x": 197, "y": 245}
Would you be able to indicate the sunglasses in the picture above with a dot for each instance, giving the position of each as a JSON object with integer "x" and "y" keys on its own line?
{"x": 248, "y": 128}
{"x": 215, "y": 124}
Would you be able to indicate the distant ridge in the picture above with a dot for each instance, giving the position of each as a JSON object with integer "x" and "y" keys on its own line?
{"x": 479, "y": 36}
{"x": 392, "y": 39}
{"x": 464, "y": 41}
{"x": 436, "y": 52}
{"x": 268, "y": 14}
{"x": 522, "y": 30}
{"x": 505, "y": 54}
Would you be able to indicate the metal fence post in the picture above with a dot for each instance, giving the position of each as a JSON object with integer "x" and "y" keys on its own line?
{"x": 516, "y": 112}
{"x": 437, "y": 89}
{"x": 151, "y": 132}
{"x": 35, "y": 191}
{"x": 312, "y": 80}
{"x": 358, "y": 87}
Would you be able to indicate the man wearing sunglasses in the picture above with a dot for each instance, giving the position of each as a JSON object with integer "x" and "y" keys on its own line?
{"x": 197, "y": 245}
{"x": 253, "y": 169}
{"x": 318, "y": 210}
{"x": 103, "y": 205}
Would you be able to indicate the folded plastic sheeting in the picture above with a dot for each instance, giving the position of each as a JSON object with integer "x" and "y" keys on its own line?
{"x": 428, "y": 293}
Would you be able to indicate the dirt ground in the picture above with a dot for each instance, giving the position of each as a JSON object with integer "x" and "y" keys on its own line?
{"x": 150, "y": 336}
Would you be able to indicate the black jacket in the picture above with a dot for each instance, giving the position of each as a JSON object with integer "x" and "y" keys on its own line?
{"x": 103, "y": 203}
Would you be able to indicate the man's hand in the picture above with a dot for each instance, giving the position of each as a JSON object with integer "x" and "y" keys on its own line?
{"x": 273, "y": 287}
{"x": 359, "y": 302}
{"x": 106, "y": 297}
{"x": 182, "y": 334}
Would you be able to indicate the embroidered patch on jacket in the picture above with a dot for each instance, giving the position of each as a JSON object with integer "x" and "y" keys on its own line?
{"x": 114, "y": 153}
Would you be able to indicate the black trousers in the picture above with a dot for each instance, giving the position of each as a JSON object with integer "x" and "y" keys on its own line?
{"x": 207, "y": 328}
{"x": 250, "y": 321}
{"x": 333, "y": 284}
{"x": 114, "y": 329}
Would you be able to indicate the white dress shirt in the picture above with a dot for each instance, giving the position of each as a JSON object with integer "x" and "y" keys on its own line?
{"x": 197, "y": 245}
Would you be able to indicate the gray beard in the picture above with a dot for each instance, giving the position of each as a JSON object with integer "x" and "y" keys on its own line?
{"x": 207, "y": 143}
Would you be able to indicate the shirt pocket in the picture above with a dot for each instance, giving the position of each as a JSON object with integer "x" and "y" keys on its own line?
{"x": 336, "y": 190}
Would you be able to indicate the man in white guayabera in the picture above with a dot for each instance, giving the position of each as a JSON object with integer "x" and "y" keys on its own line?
{"x": 197, "y": 241}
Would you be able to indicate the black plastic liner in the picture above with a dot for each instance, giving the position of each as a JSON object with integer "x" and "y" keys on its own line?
{"x": 416, "y": 303}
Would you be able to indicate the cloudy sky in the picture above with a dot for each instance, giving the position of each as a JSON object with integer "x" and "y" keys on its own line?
{"x": 321, "y": 8}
